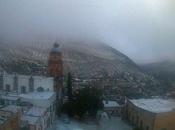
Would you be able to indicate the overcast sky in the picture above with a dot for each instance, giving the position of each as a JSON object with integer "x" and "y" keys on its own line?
{"x": 142, "y": 29}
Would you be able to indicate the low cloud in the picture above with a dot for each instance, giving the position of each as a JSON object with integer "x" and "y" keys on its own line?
{"x": 143, "y": 30}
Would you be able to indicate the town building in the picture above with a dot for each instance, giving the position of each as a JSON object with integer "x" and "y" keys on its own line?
{"x": 10, "y": 118}
{"x": 151, "y": 114}
{"x": 112, "y": 108}
{"x": 45, "y": 100}
{"x": 38, "y": 97}
{"x": 36, "y": 118}
{"x": 7, "y": 98}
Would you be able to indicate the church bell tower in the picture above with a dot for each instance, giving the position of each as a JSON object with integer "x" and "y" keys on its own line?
{"x": 55, "y": 67}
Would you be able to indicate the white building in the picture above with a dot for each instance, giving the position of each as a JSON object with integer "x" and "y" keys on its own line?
{"x": 112, "y": 108}
{"x": 34, "y": 94}
{"x": 24, "y": 84}
{"x": 156, "y": 105}
{"x": 37, "y": 118}
{"x": 9, "y": 99}
{"x": 45, "y": 100}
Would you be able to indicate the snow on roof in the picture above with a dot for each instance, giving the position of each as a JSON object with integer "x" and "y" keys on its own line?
{"x": 110, "y": 104}
{"x": 33, "y": 115}
{"x": 27, "y": 76}
{"x": 12, "y": 108}
{"x": 36, "y": 111}
{"x": 9, "y": 97}
{"x": 155, "y": 105}
{"x": 30, "y": 119}
{"x": 38, "y": 95}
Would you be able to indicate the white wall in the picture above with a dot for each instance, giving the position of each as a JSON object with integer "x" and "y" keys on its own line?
{"x": 47, "y": 83}
{"x": 8, "y": 79}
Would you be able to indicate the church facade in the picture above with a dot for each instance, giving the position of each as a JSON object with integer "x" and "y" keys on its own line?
{"x": 24, "y": 84}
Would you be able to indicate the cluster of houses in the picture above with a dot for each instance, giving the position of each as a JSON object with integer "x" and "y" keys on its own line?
{"x": 26, "y": 102}
{"x": 31, "y": 102}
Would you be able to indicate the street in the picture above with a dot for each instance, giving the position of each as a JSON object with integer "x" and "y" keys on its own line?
{"x": 115, "y": 123}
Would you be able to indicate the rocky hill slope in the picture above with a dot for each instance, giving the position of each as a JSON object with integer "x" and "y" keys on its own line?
{"x": 164, "y": 71}
{"x": 83, "y": 60}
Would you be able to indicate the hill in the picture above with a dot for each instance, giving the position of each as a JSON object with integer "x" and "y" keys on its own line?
{"x": 164, "y": 71}
{"x": 88, "y": 61}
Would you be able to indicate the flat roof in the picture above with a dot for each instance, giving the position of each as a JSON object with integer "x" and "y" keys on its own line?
{"x": 9, "y": 97}
{"x": 157, "y": 105}
{"x": 38, "y": 95}
{"x": 30, "y": 119}
{"x": 36, "y": 111}
{"x": 33, "y": 115}
{"x": 12, "y": 108}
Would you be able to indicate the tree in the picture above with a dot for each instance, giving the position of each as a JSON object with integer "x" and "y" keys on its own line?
{"x": 87, "y": 101}
{"x": 69, "y": 86}
{"x": 137, "y": 128}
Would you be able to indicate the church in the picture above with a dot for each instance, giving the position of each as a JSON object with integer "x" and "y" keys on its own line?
{"x": 38, "y": 97}
{"x": 53, "y": 81}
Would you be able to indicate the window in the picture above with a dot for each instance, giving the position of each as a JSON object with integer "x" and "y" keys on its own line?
{"x": 147, "y": 128}
{"x": 23, "y": 89}
{"x": 40, "y": 89}
{"x": 15, "y": 83}
{"x": 7, "y": 87}
{"x": 1, "y": 82}
{"x": 31, "y": 84}
{"x": 141, "y": 124}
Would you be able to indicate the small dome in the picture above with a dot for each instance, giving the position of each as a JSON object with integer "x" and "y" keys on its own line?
{"x": 55, "y": 48}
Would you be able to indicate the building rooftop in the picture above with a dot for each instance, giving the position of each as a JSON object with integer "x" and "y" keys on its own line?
{"x": 110, "y": 104}
{"x": 36, "y": 111}
{"x": 12, "y": 108}
{"x": 4, "y": 116}
{"x": 157, "y": 105}
{"x": 10, "y": 97}
{"x": 33, "y": 115}
{"x": 38, "y": 95}
{"x": 30, "y": 119}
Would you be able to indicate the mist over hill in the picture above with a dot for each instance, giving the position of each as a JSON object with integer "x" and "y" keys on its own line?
{"x": 164, "y": 71}
{"x": 95, "y": 60}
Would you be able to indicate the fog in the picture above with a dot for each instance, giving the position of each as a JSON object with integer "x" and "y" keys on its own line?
{"x": 144, "y": 30}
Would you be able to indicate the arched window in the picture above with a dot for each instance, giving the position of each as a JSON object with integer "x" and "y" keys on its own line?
{"x": 31, "y": 84}
{"x": 23, "y": 89}
{"x": 40, "y": 89}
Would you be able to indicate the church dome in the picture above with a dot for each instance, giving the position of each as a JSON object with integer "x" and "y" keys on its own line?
{"x": 55, "y": 48}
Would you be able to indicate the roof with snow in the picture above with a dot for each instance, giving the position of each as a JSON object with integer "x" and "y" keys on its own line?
{"x": 157, "y": 105}
{"x": 33, "y": 115}
{"x": 30, "y": 119}
{"x": 12, "y": 108}
{"x": 38, "y": 95}
{"x": 36, "y": 111}
{"x": 110, "y": 104}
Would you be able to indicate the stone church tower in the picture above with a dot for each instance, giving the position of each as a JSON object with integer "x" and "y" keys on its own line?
{"x": 55, "y": 68}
